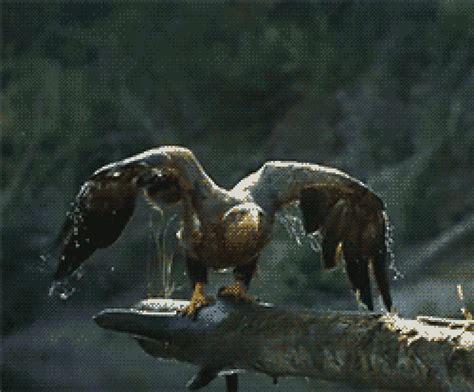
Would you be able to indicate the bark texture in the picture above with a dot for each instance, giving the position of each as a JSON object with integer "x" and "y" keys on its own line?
{"x": 371, "y": 350}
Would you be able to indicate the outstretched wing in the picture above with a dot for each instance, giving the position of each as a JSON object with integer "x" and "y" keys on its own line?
{"x": 98, "y": 215}
{"x": 106, "y": 201}
{"x": 349, "y": 216}
{"x": 105, "y": 204}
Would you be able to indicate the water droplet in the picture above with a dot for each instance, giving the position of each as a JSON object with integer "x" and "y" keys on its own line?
{"x": 389, "y": 245}
{"x": 293, "y": 225}
{"x": 78, "y": 274}
{"x": 62, "y": 288}
{"x": 315, "y": 241}
{"x": 67, "y": 293}
{"x": 52, "y": 289}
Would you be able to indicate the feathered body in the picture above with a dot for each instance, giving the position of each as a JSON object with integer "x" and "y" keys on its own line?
{"x": 229, "y": 228}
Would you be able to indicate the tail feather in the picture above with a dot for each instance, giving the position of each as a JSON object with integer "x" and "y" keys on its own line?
{"x": 357, "y": 224}
{"x": 334, "y": 231}
{"x": 379, "y": 266}
{"x": 328, "y": 248}
{"x": 366, "y": 244}
{"x": 357, "y": 269}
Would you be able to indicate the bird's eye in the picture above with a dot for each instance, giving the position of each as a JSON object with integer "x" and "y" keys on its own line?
{"x": 162, "y": 182}
{"x": 149, "y": 178}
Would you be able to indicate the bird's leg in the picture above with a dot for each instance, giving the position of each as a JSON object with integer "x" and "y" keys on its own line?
{"x": 197, "y": 272}
{"x": 198, "y": 300}
{"x": 238, "y": 290}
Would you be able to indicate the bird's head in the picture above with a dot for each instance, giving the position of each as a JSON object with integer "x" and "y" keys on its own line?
{"x": 161, "y": 172}
{"x": 166, "y": 171}
{"x": 243, "y": 222}
{"x": 159, "y": 175}
{"x": 161, "y": 186}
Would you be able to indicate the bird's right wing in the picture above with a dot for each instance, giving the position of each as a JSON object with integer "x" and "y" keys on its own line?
{"x": 349, "y": 216}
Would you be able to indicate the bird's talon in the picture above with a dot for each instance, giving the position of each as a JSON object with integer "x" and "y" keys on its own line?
{"x": 198, "y": 301}
{"x": 237, "y": 292}
{"x": 192, "y": 309}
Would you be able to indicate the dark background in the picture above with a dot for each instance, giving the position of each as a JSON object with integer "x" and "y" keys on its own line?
{"x": 383, "y": 90}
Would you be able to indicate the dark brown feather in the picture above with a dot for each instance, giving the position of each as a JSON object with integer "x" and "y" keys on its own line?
{"x": 334, "y": 231}
{"x": 355, "y": 219}
{"x": 98, "y": 216}
{"x": 316, "y": 204}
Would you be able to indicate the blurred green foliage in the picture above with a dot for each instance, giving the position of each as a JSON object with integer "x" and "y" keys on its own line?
{"x": 383, "y": 90}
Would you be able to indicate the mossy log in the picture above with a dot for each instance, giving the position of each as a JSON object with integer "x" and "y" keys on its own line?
{"x": 363, "y": 349}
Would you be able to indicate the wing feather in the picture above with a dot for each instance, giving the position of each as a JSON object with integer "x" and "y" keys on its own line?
{"x": 106, "y": 201}
{"x": 349, "y": 216}
{"x": 97, "y": 216}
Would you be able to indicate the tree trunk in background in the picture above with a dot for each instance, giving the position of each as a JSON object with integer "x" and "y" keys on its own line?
{"x": 358, "y": 349}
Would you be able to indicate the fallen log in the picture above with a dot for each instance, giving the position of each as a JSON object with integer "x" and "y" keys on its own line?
{"x": 363, "y": 349}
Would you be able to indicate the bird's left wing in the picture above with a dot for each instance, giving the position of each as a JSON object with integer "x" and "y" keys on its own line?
{"x": 101, "y": 210}
{"x": 349, "y": 216}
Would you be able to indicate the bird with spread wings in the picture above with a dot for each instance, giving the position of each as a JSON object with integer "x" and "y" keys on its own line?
{"x": 229, "y": 228}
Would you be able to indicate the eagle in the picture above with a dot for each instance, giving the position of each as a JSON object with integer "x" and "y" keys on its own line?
{"x": 223, "y": 228}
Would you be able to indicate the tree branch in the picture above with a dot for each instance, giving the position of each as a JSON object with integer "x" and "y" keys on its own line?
{"x": 358, "y": 349}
